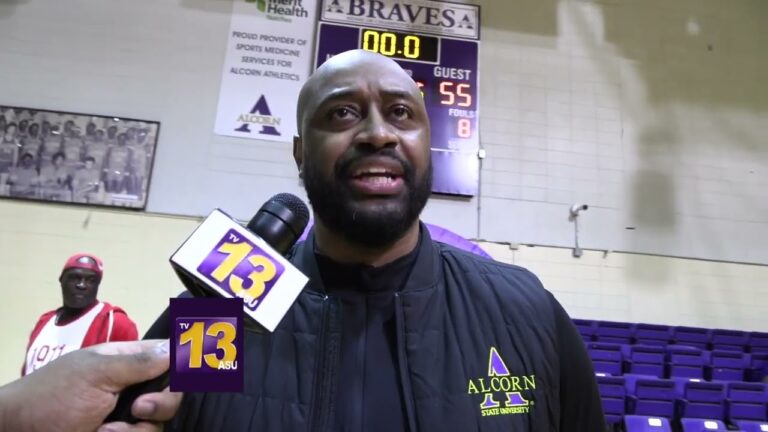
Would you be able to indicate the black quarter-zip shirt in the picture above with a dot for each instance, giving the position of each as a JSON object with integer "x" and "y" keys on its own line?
{"x": 369, "y": 396}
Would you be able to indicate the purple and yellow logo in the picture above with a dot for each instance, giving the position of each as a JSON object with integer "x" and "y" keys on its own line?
{"x": 260, "y": 114}
{"x": 207, "y": 344}
{"x": 502, "y": 392}
{"x": 201, "y": 335}
{"x": 241, "y": 268}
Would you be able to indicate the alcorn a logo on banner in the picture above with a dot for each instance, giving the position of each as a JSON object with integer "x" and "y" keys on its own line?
{"x": 281, "y": 10}
{"x": 261, "y": 115}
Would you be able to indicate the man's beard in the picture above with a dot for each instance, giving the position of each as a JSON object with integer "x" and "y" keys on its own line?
{"x": 377, "y": 225}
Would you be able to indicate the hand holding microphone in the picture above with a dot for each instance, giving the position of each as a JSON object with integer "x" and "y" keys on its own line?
{"x": 221, "y": 259}
{"x": 76, "y": 391}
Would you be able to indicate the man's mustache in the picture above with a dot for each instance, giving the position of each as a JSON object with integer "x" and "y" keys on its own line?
{"x": 344, "y": 166}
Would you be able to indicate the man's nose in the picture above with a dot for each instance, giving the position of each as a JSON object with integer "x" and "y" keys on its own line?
{"x": 377, "y": 132}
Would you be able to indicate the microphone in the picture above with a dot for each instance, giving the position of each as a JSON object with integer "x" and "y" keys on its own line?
{"x": 280, "y": 221}
{"x": 221, "y": 259}
{"x": 204, "y": 264}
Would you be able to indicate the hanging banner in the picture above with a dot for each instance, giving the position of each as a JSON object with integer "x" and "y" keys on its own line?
{"x": 269, "y": 57}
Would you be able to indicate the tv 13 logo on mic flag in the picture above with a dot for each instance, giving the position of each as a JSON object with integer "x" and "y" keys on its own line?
{"x": 229, "y": 261}
{"x": 206, "y": 344}
{"x": 242, "y": 268}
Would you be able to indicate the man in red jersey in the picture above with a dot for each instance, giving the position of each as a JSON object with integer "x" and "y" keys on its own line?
{"x": 82, "y": 321}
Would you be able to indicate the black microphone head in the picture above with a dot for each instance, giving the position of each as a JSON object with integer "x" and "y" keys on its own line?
{"x": 297, "y": 208}
{"x": 281, "y": 221}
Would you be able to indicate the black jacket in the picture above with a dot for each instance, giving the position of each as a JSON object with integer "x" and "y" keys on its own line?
{"x": 482, "y": 346}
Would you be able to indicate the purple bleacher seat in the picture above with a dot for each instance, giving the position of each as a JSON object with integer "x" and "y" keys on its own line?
{"x": 651, "y": 334}
{"x": 613, "y": 332}
{"x": 728, "y": 365}
{"x": 758, "y": 367}
{"x": 730, "y": 340}
{"x": 652, "y": 388}
{"x": 702, "y": 425}
{"x": 586, "y": 328}
{"x": 646, "y": 360}
{"x": 635, "y": 423}
{"x": 752, "y": 426}
{"x": 704, "y": 391}
{"x": 647, "y": 353}
{"x": 692, "y": 336}
{"x": 631, "y": 380}
{"x": 613, "y": 394}
{"x": 606, "y": 358}
{"x": 702, "y": 400}
{"x": 651, "y": 397}
{"x": 758, "y": 342}
{"x": 685, "y": 361}
{"x": 747, "y": 401}
{"x": 680, "y": 384}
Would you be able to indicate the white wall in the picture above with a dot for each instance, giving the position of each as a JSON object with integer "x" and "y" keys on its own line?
{"x": 652, "y": 112}
{"x": 648, "y": 289}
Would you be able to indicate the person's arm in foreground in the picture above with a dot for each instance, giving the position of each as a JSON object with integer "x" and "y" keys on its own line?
{"x": 77, "y": 391}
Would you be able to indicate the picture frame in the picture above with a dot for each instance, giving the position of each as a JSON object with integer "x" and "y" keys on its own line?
{"x": 69, "y": 157}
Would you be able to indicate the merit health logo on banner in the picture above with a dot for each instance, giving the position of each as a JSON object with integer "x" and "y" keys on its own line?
{"x": 282, "y": 9}
{"x": 269, "y": 57}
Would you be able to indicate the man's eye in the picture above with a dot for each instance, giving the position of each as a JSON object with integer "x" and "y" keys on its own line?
{"x": 401, "y": 112}
{"x": 342, "y": 113}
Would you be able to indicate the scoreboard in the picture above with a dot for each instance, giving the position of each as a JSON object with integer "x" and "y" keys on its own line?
{"x": 437, "y": 43}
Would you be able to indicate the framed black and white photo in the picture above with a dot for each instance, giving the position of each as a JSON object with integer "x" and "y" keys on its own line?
{"x": 76, "y": 158}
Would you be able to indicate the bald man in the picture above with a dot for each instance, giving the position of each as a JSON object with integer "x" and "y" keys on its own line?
{"x": 396, "y": 332}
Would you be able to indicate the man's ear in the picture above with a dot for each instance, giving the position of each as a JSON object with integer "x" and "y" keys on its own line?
{"x": 298, "y": 153}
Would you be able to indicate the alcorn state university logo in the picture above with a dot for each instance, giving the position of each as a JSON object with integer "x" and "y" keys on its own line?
{"x": 502, "y": 393}
{"x": 260, "y": 115}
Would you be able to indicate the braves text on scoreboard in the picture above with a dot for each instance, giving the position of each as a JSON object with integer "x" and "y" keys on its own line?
{"x": 437, "y": 43}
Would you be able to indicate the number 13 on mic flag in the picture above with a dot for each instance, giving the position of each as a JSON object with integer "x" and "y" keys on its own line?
{"x": 224, "y": 259}
{"x": 206, "y": 345}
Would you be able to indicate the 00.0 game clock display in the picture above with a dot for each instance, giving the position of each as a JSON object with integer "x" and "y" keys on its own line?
{"x": 400, "y": 45}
